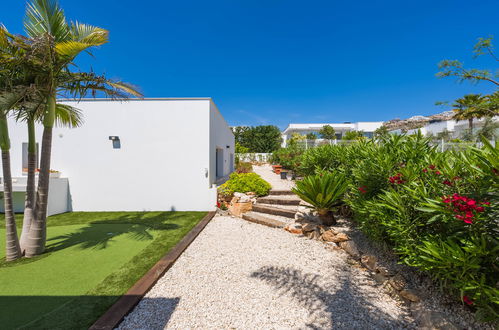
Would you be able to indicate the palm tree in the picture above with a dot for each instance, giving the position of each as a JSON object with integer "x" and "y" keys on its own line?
{"x": 54, "y": 44}
{"x": 468, "y": 108}
{"x": 15, "y": 90}
{"x": 19, "y": 96}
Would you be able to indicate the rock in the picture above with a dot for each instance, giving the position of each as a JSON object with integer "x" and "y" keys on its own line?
{"x": 398, "y": 282}
{"x": 410, "y": 295}
{"x": 303, "y": 209}
{"x": 328, "y": 236}
{"x": 243, "y": 198}
{"x": 383, "y": 271}
{"x": 427, "y": 319}
{"x": 380, "y": 278}
{"x": 299, "y": 216}
{"x": 369, "y": 262}
{"x": 308, "y": 227}
{"x": 340, "y": 237}
{"x": 294, "y": 229}
{"x": 332, "y": 246}
{"x": 251, "y": 194}
{"x": 238, "y": 209}
{"x": 351, "y": 248}
{"x": 315, "y": 234}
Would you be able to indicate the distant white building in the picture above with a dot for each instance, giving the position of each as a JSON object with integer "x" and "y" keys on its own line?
{"x": 140, "y": 155}
{"x": 367, "y": 129}
{"x": 455, "y": 128}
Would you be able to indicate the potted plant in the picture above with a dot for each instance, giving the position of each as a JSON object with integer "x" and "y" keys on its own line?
{"x": 324, "y": 193}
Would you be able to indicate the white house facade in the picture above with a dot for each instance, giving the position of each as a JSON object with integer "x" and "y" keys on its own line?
{"x": 455, "y": 128}
{"x": 139, "y": 155}
{"x": 367, "y": 128}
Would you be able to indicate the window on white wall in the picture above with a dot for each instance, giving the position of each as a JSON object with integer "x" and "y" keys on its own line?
{"x": 25, "y": 157}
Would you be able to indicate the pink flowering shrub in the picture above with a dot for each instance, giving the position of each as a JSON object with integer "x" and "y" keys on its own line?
{"x": 437, "y": 210}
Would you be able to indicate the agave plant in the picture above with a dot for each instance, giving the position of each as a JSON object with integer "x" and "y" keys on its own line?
{"x": 324, "y": 193}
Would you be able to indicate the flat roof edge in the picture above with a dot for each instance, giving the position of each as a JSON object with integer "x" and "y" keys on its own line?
{"x": 137, "y": 99}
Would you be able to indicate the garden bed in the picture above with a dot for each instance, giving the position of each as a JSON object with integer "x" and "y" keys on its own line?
{"x": 91, "y": 260}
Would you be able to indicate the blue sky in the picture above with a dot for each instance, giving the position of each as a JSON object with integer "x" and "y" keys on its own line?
{"x": 276, "y": 62}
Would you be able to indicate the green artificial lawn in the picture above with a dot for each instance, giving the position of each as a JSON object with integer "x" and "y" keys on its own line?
{"x": 92, "y": 258}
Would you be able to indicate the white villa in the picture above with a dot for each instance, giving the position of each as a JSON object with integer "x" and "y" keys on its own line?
{"x": 455, "y": 128}
{"x": 157, "y": 154}
{"x": 367, "y": 128}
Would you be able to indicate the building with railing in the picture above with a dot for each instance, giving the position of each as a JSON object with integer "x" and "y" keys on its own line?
{"x": 367, "y": 129}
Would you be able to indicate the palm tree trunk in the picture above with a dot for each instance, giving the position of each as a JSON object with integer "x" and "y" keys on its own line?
{"x": 13, "y": 250}
{"x": 29, "y": 204}
{"x": 38, "y": 230}
{"x": 470, "y": 124}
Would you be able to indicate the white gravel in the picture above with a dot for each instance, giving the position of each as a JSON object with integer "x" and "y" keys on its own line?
{"x": 240, "y": 275}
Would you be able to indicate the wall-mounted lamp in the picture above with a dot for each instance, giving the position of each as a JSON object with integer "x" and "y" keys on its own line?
{"x": 227, "y": 147}
{"x": 116, "y": 142}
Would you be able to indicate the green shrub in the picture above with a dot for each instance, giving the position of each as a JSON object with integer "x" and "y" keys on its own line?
{"x": 243, "y": 183}
{"x": 244, "y": 167}
{"x": 289, "y": 158}
{"x": 437, "y": 210}
{"x": 324, "y": 192}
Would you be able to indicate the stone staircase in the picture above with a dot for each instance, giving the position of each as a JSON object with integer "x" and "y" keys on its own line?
{"x": 276, "y": 210}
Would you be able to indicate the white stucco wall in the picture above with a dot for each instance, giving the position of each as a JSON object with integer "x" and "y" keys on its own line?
{"x": 221, "y": 137}
{"x": 164, "y": 162}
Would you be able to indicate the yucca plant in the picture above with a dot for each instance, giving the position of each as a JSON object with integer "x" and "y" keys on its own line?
{"x": 324, "y": 193}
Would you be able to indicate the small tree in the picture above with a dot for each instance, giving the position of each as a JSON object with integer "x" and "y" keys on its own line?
{"x": 311, "y": 136}
{"x": 455, "y": 68}
{"x": 327, "y": 132}
{"x": 469, "y": 107}
{"x": 489, "y": 129}
{"x": 296, "y": 138}
{"x": 352, "y": 135}
{"x": 381, "y": 132}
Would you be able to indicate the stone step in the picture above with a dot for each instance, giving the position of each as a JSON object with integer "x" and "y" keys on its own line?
{"x": 282, "y": 201}
{"x": 263, "y": 220}
{"x": 280, "y": 192}
{"x": 274, "y": 211}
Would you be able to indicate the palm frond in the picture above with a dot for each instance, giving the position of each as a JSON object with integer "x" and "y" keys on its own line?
{"x": 80, "y": 84}
{"x": 46, "y": 17}
{"x": 68, "y": 116}
{"x": 83, "y": 37}
{"x": 89, "y": 34}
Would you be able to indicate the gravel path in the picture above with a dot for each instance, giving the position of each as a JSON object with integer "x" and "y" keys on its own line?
{"x": 265, "y": 171}
{"x": 241, "y": 275}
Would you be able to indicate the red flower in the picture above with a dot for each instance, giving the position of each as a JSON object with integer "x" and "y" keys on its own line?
{"x": 218, "y": 204}
{"x": 363, "y": 189}
{"x": 447, "y": 182}
{"x": 467, "y": 300}
{"x": 471, "y": 202}
{"x": 438, "y": 173}
{"x": 425, "y": 170}
{"x": 480, "y": 209}
{"x": 432, "y": 167}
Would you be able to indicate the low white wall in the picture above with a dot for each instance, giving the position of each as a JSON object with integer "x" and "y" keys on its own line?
{"x": 58, "y": 195}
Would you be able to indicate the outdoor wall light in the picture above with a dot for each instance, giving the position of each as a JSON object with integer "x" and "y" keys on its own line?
{"x": 116, "y": 142}
{"x": 228, "y": 147}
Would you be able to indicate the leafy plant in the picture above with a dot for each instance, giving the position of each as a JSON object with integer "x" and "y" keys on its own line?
{"x": 323, "y": 192}
{"x": 243, "y": 183}
{"x": 244, "y": 167}
{"x": 327, "y": 132}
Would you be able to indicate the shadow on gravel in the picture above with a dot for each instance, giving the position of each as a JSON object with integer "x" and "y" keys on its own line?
{"x": 340, "y": 306}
